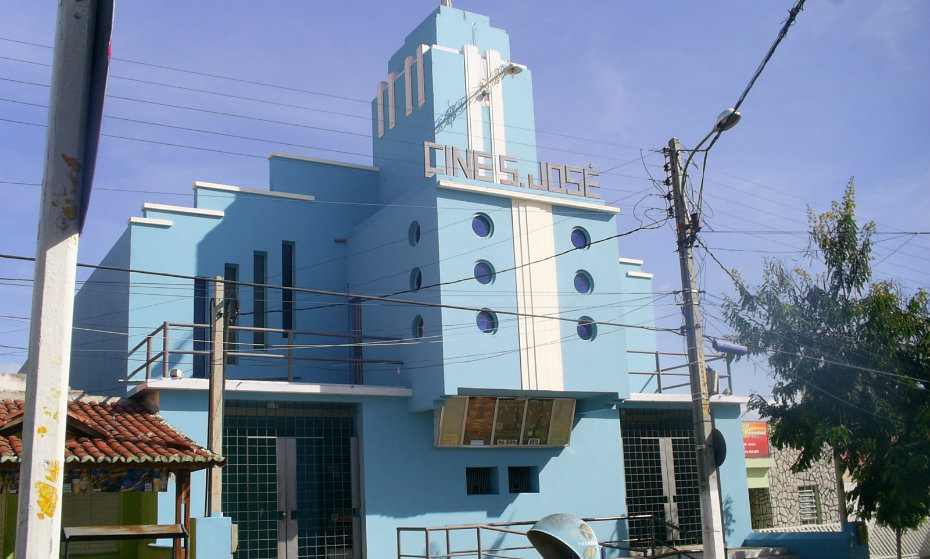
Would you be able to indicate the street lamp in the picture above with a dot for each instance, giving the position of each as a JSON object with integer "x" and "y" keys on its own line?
{"x": 725, "y": 120}
{"x": 686, "y": 226}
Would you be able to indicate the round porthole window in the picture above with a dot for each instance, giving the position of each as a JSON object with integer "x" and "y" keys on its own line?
{"x": 583, "y": 282}
{"x": 484, "y": 272}
{"x": 418, "y": 326}
{"x": 587, "y": 328}
{"x": 482, "y": 225}
{"x": 416, "y": 279}
{"x": 413, "y": 234}
{"x": 487, "y": 322}
{"x": 580, "y": 238}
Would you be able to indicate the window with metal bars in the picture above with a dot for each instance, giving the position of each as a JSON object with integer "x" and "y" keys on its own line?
{"x": 809, "y": 504}
{"x": 523, "y": 479}
{"x": 481, "y": 481}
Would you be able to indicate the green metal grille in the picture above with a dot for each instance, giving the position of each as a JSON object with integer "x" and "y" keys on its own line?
{"x": 323, "y": 483}
{"x": 643, "y": 433}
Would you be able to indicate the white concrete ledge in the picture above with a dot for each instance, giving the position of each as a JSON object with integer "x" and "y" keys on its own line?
{"x": 150, "y": 221}
{"x": 324, "y": 161}
{"x": 446, "y": 49}
{"x": 239, "y": 189}
{"x": 631, "y": 261}
{"x": 642, "y": 275}
{"x": 684, "y": 398}
{"x": 149, "y": 207}
{"x": 270, "y": 386}
{"x": 517, "y": 195}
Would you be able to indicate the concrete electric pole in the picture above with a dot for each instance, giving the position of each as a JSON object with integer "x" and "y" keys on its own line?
{"x": 217, "y": 395}
{"x": 79, "y": 72}
{"x": 687, "y": 225}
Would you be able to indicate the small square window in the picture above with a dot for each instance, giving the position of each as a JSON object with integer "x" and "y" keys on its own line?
{"x": 481, "y": 481}
{"x": 523, "y": 479}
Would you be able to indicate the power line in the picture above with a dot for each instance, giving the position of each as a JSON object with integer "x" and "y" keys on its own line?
{"x": 822, "y": 358}
{"x": 792, "y": 14}
{"x": 266, "y": 140}
{"x": 366, "y": 118}
{"x": 288, "y": 88}
{"x": 343, "y": 294}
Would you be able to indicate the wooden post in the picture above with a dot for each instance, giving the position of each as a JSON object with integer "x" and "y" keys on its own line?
{"x": 182, "y": 509}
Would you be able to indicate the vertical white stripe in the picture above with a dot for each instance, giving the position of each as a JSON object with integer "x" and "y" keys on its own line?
{"x": 498, "y": 135}
{"x": 537, "y": 294}
{"x": 408, "y": 84}
{"x": 380, "y": 103}
{"x": 475, "y": 74}
{"x": 421, "y": 80}
{"x": 392, "y": 116}
{"x": 523, "y": 295}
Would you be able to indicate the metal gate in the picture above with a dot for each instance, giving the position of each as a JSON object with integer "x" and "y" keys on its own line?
{"x": 660, "y": 467}
{"x": 290, "y": 484}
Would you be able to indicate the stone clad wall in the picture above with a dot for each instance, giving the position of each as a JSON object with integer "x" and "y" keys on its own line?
{"x": 784, "y": 486}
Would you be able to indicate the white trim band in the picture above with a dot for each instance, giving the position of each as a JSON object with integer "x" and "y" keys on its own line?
{"x": 323, "y": 161}
{"x": 684, "y": 398}
{"x": 150, "y": 221}
{"x": 277, "y": 387}
{"x": 239, "y": 189}
{"x": 517, "y": 195}
{"x": 150, "y": 207}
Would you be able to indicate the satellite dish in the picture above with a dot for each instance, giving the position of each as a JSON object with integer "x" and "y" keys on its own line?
{"x": 563, "y": 536}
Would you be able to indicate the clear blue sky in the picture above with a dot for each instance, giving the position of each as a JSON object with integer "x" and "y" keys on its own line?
{"x": 846, "y": 94}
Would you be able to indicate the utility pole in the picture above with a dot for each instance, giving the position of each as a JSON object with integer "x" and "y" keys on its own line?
{"x": 687, "y": 226}
{"x": 217, "y": 393}
{"x": 79, "y": 72}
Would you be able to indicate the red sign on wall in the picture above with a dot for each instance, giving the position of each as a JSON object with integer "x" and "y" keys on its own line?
{"x": 756, "y": 439}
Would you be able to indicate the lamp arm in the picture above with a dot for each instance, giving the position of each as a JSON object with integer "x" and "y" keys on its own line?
{"x": 684, "y": 170}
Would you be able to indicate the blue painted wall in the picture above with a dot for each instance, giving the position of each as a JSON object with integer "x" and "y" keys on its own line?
{"x": 98, "y": 357}
{"x": 583, "y": 479}
{"x": 734, "y": 488}
{"x": 472, "y": 358}
{"x": 187, "y": 411}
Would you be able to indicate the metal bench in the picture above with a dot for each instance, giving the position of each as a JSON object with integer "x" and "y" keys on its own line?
{"x": 129, "y": 532}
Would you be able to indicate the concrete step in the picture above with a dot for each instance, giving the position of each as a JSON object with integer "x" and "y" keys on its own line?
{"x": 738, "y": 552}
{"x": 759, "y": 552}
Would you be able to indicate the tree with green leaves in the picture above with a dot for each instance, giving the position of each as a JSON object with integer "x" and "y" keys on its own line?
{"x": 851, "y": 361}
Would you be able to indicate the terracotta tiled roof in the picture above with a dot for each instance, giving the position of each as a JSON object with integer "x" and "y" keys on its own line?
{"x": 112, "y": 433}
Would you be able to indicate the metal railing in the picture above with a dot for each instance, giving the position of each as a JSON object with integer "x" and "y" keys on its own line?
{"x": 654, "y": 547}
{"x": 287, "y": 351}
{"x": 672, "y": 374}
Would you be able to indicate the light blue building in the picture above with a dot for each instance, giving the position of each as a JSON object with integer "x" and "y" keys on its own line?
{"x": 439, "y": 338}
